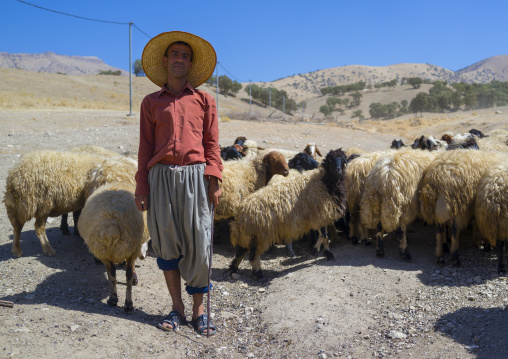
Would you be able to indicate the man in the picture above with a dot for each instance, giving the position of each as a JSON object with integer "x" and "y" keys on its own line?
{"x": 179, "y": 168}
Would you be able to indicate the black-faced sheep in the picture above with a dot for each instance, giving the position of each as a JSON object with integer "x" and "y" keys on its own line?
{"x": 397, "y": 143}
{"x": 234, "y": 152}
{"x": 491, "y": 209}
{"x": 240, "y": 178}
{"x": 390, "y": 196}
{"x": 49, "y": 183}
{"x": 448, "y": 192}
{"x": 287, "y": 210}
{"x": 114, "y": 230}
{"x": 477, "y": 133}
{"x": 427, "y": 142}
{"x": 302, "y": 162}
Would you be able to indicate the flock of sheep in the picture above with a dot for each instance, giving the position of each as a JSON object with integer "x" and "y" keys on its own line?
{"x": 275, "y": 196}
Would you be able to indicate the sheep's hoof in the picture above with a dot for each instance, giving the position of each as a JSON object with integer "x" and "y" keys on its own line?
{"x": 128, "y": 307}
{"x": 50, "y": 252}
{"x": 258, "y": 274}
{"x": 440, "y": 260}
{"x": 405, "y": 255}
{"x": 291, "y": 254}
{"x": 112, "y": 302}
{"x": 487, "y": 247}
{"x": 367, "y": 243}
{"x": 380, "y": 252}
{"x": 501, "y": 269}
{"x": 446, "y": 249}
{"x": 135, "y": 279}
{"x": 233, "y": 269}
{"x": 354, "y": 240}
{"x": 65, "y": 231}
{"x": 455, "y": 259}
{"x": 315, "y": 252}
{"x": 329, "y": 255}
{"x": 17, "y": 252}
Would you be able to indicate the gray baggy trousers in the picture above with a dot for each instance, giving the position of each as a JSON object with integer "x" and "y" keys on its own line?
{"x": 179, "y": 222}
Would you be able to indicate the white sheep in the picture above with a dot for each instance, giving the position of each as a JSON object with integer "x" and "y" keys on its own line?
{"x": 448, "y": 192}
{"x": 49, "y": 183}
{"x": 390, "y": 196}
{"x": 114, "y": 230}
{"x": 356, "y": 173}
{"x": 241, "y": 178}
{"x": 285, "y": 211}
{"x": 496, "y": 141}
{"x": 491, "y": 209}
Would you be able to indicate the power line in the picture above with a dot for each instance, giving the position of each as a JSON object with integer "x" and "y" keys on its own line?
{"x": 79, "y": 17}
{"x": 84, "y": 18}
{"x": 236, "y": 78}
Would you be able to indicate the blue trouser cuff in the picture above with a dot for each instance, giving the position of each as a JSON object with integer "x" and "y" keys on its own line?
{"x": 171, "y": 264}
{"x": 194, "y": 290}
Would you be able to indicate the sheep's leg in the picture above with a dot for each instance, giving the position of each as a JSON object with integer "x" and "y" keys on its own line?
{"x": 353, "y": 229}
{"x": 500, "y": 257}
{"x": 40, "y": 230}
{"x": 364, "y": 235}
{"x": 403, "y": 250}
{"x": 16, "y": 238}
{"x": 289, "y": 247}
{"x": 454, "y": 250}
{"x": 255, "y": 259}
{"x": 440, "y": 234}
{"x": 129, "y": 274}
{"x": 113, "y": 295}
{"x": 239, "y": 256}
{"x": 64, "y": 226}
{"x": 380, "y": 248}
{"x": 75, "y": 217}
{"x": 323, "y": 239}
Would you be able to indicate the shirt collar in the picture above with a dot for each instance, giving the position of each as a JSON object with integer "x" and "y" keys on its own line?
{"x": 187, "y": 86}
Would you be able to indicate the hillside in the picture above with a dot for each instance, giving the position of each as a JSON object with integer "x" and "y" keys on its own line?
{"x": 49, "y": 62}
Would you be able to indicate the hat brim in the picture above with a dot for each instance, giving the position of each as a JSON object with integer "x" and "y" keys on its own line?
{"x": 203, "y": 62}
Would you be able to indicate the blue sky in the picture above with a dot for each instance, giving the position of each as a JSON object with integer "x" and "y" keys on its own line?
{"x": 267, "y": 40}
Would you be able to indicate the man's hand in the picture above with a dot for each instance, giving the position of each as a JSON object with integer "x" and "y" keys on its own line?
{"x": 141, "y": 202}
{"x": 214, "y": 191}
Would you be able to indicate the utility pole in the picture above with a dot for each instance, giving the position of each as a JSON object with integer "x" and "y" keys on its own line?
{"x": 250, "y": 99}
{"x": 270, "y": 98}
{"x": 130, "y": 67}
{"x": 217, "y": 85}
{"x": 284, "y": 104}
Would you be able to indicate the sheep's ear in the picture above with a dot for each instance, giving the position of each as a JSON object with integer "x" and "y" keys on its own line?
{"x": 318, "y": 152}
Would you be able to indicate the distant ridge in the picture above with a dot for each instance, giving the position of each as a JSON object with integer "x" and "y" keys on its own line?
{"x": 49, "y": 62}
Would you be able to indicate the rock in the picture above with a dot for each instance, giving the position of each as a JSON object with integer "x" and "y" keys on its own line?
{"x": 393, "y": 334}
{"x": 74, "y": 328}
{"x": 235, "y": 276}
{"x": 228, "y": 315}
{"x": 249, "y": 310}
{"x": 262, "y": 290}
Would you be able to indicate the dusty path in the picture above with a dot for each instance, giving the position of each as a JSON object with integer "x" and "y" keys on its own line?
{"x": 358, "y": 306}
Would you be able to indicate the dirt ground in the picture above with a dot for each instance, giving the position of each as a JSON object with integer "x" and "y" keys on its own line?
{"x": 357, "y": 306}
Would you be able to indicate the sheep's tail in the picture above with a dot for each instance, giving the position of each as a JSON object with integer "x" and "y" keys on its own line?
{"x": 370, "y": 208}
{"x": 428, "y": 198}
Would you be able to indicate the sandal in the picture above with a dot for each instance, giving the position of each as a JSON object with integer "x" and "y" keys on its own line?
{"x": 200, "y": 325}
{"x": 174, "y": 319}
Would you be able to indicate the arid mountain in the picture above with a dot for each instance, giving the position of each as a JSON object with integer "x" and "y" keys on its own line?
{"x": 303, "y": 86}
{"x": 50, "y": 62}
{"x": 493, "y": 68}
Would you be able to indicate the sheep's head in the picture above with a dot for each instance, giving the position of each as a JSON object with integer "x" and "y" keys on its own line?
{"x": 231, "y": 153}
{"x": 311, "y": 149}
{"x": 477, "y": 133}
{"x": 240, "y": 140}
{"x": 418, "y": 143}
{"x": 303, "y": 162}
{"x": 275, "y": 164}
{"x": 448, "y": 138}
{"x": 335, "y": 163}
{"x": 397, "y": 143}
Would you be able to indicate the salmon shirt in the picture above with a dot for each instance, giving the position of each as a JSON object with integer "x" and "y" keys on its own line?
{"x": 178, "y": 130}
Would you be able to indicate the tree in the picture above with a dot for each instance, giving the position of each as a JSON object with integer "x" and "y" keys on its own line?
{"x": 236, "y": 87}
{"x": 225, "y": 84}
{"x": 137, "y": 68}
{"x": 325, "y": 110}
{"x": 356, "y": 99}
{"x": 420, "y": 103}
{"x": 415, "y": 82}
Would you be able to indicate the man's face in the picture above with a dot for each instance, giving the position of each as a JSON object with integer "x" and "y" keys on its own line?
{"x": 178, "y": 60}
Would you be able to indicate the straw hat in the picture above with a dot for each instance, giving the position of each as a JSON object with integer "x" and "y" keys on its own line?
{"x": 203, "y": 63}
